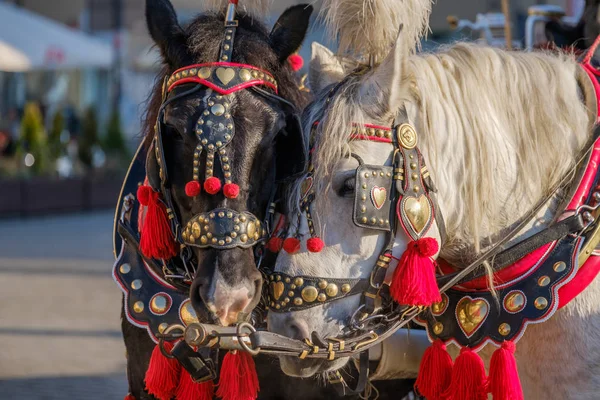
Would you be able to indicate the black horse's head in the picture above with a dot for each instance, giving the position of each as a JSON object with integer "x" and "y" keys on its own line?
{"x": 245, "y": 139}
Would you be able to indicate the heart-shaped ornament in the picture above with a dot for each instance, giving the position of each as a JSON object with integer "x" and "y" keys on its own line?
{"x": 418, "y": 212}
{"x": 471, "y": 314}
{"x": 306, "y": 186}
{"x": 378, "y": 196}
{"x": 225, "y": 75}
{"x": 277, "y": 289}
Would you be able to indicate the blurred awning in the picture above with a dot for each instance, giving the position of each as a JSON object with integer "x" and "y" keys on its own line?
{"x": 29, "y": 41}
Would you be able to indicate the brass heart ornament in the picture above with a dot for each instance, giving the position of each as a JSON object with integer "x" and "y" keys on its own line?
{"x": 417, "y": 211}
{"x": 225, "y": 75}
{"x": 277, "y": 289}
{"x": 471, "y": 314}
{"x": 378, "y": 196}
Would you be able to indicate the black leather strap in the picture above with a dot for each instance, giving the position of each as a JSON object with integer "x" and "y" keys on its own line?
{"x": 340, "y": 384}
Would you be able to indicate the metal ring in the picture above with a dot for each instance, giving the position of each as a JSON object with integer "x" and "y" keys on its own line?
{"x": 240, "y": 336}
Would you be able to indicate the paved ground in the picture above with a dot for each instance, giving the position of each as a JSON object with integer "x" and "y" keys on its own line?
{"x": 60, "y": 336}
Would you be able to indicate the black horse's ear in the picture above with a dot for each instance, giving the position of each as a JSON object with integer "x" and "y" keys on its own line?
{"x": 166, "y": 32}
{"x": 290, "y": 30}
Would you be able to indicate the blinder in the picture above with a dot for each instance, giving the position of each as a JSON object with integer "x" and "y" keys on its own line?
{"x": 372, "y": 202}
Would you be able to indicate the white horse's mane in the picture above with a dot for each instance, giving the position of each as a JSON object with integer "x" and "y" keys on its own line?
{"x": 370, "y": 27}
{"x": 479, "y": 112}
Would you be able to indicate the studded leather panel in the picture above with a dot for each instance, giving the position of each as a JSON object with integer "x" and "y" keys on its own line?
{"x": 372, "y": 197}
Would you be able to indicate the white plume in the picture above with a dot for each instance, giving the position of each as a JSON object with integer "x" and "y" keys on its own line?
{"x": 370, "y": 27}
{"x": 252, "y": 7}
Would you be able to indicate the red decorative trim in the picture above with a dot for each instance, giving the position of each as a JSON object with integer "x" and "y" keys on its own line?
{"x": 219, "y": 89}
{"x": 222, "y": 64}
{"x": 383, "y": 128}
{"x": 371, "y": 138}
{"x": 586, "y": 274}
{"x": 591, "y": 51}
{"x": 585, "y": 185}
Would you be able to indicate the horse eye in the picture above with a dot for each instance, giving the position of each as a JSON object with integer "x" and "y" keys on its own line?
{"x": 347, "y": 189}
{"x": 173, "y": 133}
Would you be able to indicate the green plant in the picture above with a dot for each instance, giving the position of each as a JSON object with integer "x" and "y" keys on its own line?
{"x": 55, "y": 145}
{"x": 114, "y": 143}
{"x": 33, "y": 140}
{"x": 89, "y": 137}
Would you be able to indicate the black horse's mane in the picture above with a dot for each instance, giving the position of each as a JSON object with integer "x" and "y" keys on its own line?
{"x": 204, "y": 36}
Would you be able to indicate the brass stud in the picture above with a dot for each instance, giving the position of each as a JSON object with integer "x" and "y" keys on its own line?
{"x": 541, "y": 303}
{"x": 364, "y": 220}
{"x": 373, "y": 221}
{"x": 514, "y": 302}
{"x": 160, "y": 304}
{"x": 363, "y": 209}
{"x": 298, "y": 301}
{"x": 278, "y": 306}
{"x": 364, "y": 186}
{"x": 221, "y": 214}
{"x": 309, "y": 294}
{"x": 196, "y": 230}
{"x": 322, "y": 284}
{"x": 209, "y": 235}
{"x": 255, "y": 74}
{"x": 244, "y": 238}
{"x": 228, "y": 37}
{"x": 203, "y": 240}
{"x": 138, "y": 307}
{"x": 560, "y": 266}
{"x": 245, "y": 75}
{"x": 233, "y": 235}
{"x": 214, "y": 240}
{"x": 125, "y": 268}
{"x": 504, "y": 329}
{"x": 291, "y": 293}
{"x": 438, "y": 328}
{"x": 230, "y": 215}
{"x": 225, "y": 58}
{"x": 544, "y": 281}
{"x": 345, "y": 288}
{"x": 136, "y": 284}
{"x": 204, "y": 73}
{"x": 163, "y": 327}
{"x": 416, "y": 189}
{"x": 226, "y": 47}
{"x": 287, "y": 280}
{"x": 331, "y": 290}
{"x": 413, "y": 165}
{"x": 292, "y": 286}
{"x": 322, "y": 297}
{"x": 221, "y": 242}
{"x": 299, "y": 281}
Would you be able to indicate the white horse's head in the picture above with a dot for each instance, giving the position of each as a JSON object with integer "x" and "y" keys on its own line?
{"x": 481, "y": 137}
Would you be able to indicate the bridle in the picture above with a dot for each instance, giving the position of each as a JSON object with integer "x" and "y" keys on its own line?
{"x": 220, "y": 228}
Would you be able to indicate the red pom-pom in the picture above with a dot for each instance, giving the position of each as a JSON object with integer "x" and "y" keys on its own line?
{"x": 212, "y": 185}
{"x": 414, "y": 281}
{"x": 190, "y": 390}
{"x": 157, "y": 240}
{"x": 468, "y": 377}
{"x": 291, "y": 245}
{"x": 315, "y": 245}
{"x": 274, "y": 245}
{"x": 504, "y": 382}
{"x": 231, "y": 190}
{"x": 296, "y": 61}
{"x": 435, "y": 372}
{"x": 428, "y": 247}
{"x": 238, "y": 379}
{"x": 162, "y": 376}
{"x": 143, "y": 195}
{"x": 192, "y": 188}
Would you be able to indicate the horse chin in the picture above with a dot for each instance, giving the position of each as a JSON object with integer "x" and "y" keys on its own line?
{"x": 295, "y": 367}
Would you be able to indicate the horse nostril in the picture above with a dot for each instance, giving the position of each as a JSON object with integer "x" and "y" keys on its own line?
{"x": 298, "y": 329}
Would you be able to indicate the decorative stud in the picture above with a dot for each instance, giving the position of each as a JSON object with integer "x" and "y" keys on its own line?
{"x": 125, "y": 268}
{"x": 346, "y": 288}
{"x": 298, "y": 301}
{"x": 515, "y": 302}
{"x": 163, "y": 327}
{"x": 540, "y": 303}
{"x": 136, "y": 284}
{"x": 322, "y": 284}
{"x": 438, "y": 328}
{"x": 138, "y": 307}
{"x": 322, "y": 297}
{"x": 504, "y": 329}
{"x": 560, "y": 266}
{"x": 160, "y": 304}
{"x": 309, "y": 294}
{"x": 544, "y": 281}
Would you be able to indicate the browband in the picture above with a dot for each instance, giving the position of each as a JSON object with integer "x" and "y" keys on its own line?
{"x": 222, "y": 77}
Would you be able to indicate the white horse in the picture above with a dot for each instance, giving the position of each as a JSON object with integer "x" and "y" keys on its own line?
{"x": 498, "y": 130}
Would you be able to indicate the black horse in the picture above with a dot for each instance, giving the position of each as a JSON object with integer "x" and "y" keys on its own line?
{"x": 266, "y": 149}
{"x": 582, "y": 35}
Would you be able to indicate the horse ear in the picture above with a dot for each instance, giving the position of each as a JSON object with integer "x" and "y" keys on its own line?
{"x": 290, "y": 30}
{"x": 166, "y": 32}
{"x": 383, "y": 86}
{"x": 325, "y": 68}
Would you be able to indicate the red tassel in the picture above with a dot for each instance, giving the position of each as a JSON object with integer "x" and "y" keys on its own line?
{"x": 296, "y": 62}
{"x": 231, "y": 190}
{"x": 238, "y": 379}
{"x": 162, "y": 375}
{"x": 190, "y": 390}
{"x": 129, "y": 397}
{"x": 157, "y": 240}
{"x": 315, "y": 245}
{"x": 435, "y": 372}
{"x": 504, "y": 382}
{"x": 291, "y": 245}
{"x": 414, "y": 281}
{"x": 468, "y": 377}
{"x": 192, "y": 188}
{"x": 275, "y": 244}
{"x": 212, "y": 185}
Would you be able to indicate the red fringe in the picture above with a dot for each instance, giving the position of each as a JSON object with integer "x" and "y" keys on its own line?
{"x": 190, "y": 390}
{"x": 238, "y": 379}
{"x": 157, "y": 240}
{"x": 468, "y": 377}
{"x": 414, "y": 280}
{"x": 435, "y": 372}
{"x": 162, "y": 376}
{"x": 504, "y": 382}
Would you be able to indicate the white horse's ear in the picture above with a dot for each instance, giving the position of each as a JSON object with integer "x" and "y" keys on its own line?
{"x": 382, "y": 88}
{"x": 325, "y": 68}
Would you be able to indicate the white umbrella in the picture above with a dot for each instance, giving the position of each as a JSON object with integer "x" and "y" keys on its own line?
{"x": 29, "y": 41}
